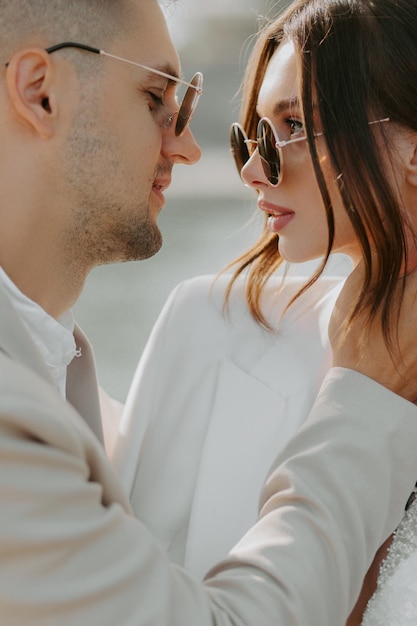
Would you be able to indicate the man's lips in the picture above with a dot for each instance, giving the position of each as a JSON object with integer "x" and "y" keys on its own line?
{"x": 159, "y": 186}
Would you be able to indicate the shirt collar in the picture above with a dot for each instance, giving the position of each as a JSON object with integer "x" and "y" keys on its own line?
{"x": 54, "y": 338}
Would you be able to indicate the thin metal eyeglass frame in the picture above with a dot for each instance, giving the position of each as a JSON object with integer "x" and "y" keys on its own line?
{"x": 198, "y": 76}
{"x": 241, "y": 159}
{"x": 268, "y": 165}
{"x": 236, "y": 144}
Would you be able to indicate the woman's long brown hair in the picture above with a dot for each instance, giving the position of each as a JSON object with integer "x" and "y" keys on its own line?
{"x": 358, "y": 63}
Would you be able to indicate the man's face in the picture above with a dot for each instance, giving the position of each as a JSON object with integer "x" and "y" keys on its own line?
{"x": 118, "y": 156}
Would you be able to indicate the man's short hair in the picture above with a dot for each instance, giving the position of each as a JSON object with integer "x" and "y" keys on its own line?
{"x": 48, "y": 22}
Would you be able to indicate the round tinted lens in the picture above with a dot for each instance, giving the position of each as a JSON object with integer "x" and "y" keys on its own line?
{"x": 238, "y": 146}
{"x": 189, "y": 103}
{"x": 269, "y": 154}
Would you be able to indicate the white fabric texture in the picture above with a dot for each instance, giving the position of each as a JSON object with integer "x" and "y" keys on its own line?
{"x": 53, "y": 338}
{"x": 217, "y": 396}
{"x": 395, "y": 601}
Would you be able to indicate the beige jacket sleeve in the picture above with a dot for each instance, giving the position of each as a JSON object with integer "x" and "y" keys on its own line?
{"x": 72, "y": 554}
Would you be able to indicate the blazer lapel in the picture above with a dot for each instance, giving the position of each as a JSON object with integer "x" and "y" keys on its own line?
{"x": 82, "y": 386}
{"x": 82, "y": 389}
{"x": 255, "y": 412}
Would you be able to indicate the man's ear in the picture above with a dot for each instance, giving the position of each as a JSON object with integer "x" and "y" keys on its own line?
{"x": 29, "y": 80}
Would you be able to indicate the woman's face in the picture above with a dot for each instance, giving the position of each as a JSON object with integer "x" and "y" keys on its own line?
{"x": 295, "y": 207}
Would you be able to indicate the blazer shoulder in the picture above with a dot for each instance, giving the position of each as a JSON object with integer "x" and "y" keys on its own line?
{"x": 201, "y": 302}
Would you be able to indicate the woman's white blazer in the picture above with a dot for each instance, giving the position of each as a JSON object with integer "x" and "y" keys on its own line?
{"x": 215, "y": 397}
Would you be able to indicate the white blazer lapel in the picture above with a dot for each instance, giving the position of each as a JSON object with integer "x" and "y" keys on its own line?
{"x": 82, "y": 387}
{"x": 254, "y": 415}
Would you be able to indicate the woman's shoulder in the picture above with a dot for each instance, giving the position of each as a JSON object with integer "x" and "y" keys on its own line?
{"x": 204, "y": 298}
{"x": 280, "y": 292}
{"x": 212, "y": 288}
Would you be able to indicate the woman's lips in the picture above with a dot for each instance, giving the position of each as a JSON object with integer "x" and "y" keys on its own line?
{"x": 278, "y": 218}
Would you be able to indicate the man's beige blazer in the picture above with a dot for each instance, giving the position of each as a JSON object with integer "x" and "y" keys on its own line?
{"x": 71, "y": 553}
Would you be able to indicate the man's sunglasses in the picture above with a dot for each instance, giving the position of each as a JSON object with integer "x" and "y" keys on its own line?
{"x": 269, "y": 147}
{"x": 189, "y": 101}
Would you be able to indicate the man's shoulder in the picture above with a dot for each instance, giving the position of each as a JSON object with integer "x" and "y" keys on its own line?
{"x": 32, "y": 406}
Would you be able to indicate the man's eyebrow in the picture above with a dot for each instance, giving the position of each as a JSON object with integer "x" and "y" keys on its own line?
{"x": 167, "y": 69}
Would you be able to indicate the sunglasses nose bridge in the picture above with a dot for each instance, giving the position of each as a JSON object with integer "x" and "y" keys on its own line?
{"x": 251, "y": 142}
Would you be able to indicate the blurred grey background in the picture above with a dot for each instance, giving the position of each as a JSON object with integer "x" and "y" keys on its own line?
{"x": 209, "y": 216}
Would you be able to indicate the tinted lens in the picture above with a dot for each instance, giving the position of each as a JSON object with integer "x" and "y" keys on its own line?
{"x": 269, "y": 154}
{"x": 189, "y": 104}
{"x": 238, "y": 146}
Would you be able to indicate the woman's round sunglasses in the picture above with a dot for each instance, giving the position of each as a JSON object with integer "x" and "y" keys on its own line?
{"x": 269, "y": 147}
